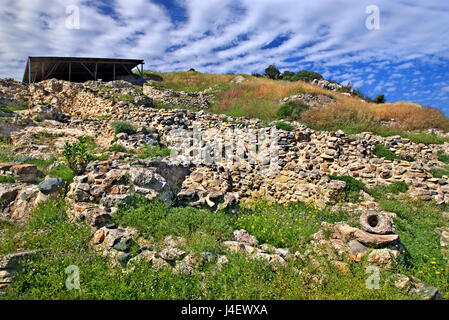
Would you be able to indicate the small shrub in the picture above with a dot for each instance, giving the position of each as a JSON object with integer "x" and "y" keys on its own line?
{"x": 380, "y": 99}
{"x": 122, "y": 126}
{"x": 284, "y": 126}
{"x": 76, "y": 155}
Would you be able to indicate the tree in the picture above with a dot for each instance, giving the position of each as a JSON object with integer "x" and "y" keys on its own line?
{"x": 287, "y": 75}
{"x": 307, "y": 76}
{"x": 380, "y": 99}
{"x": 272, "y": 72}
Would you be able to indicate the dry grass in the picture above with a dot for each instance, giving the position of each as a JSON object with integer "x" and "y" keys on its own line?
{"x": 259, "y": 98}
{"x": 193, "y": 81}
{"x": 351, "y": 112}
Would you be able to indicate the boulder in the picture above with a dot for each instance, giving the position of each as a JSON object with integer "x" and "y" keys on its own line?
{"x": 244, "y": 237}
{"x": 26, "y": 172}
{"x": 51, "y": 185}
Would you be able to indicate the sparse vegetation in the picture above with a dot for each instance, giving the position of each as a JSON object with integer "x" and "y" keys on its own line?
{"x": 117, "y": 148}
{"x": 123, "y": 126}
{"x": 147, "y": 151}
{"x": 291, "y": 110}
{"x": 7, "y": 178}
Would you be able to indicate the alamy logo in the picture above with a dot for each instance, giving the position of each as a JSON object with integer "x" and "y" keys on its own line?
{"x": 232, "y": 146}
{"x": 73, "y": 280}
{"x": 372, "y": 22}
{"x": 372, "y": 282}
{"x": 73, "y": 19}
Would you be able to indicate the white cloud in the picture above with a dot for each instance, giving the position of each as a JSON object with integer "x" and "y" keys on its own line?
{"x": 327, "y": 33}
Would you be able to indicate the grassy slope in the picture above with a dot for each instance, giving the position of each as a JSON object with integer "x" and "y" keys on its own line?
{"x": 259, "y": 98}
{"x": 64, "y": 243}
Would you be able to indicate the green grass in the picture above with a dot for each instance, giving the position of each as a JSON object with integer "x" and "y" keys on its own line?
{"x": 443, "y": 156}
{"x": 63, "y": 243}
{"x": 381, "y": 151}
{"x": 61, "y": 171}
{"x": 440, "y": 172}
{"x": 291, "y": 110}
{"x": 284, "y": 126}
{"x": 147, "y": 151}
{"x": 284, "y": 225}
{"x": 12, "y": 108}
{"x": 7, "y": 179}
{"x": 394, "y": 188}
{"x": 351, "y": 192}
{"x": 416, "y": 224}
{"x": 126, "y": 98}
{"x": 157, "y": 219}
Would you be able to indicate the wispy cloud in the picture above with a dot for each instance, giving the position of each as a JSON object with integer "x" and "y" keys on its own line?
{"x": 219, "y": 36}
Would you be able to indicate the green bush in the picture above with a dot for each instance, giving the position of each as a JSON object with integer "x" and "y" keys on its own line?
{"x": 123, "y": 126}
{"x": 76, "y": 155}
{"x": 380, "y": 99}
{"x": 306, "y": 76}
{"x": 284, "y": 126}
{"x": 291, "y": 110}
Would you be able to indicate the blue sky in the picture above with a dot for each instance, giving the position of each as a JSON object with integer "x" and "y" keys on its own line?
{"x": 407, "y": 58}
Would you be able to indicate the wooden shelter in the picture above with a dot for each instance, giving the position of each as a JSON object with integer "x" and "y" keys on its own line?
{"x": 80, "y": 69}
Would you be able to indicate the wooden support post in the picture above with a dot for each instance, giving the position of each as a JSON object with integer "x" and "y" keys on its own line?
{"x": 96, "y": 68}
{"x": 113, "y": 76}
{"x": 70, "y": 71}
{"x": 29, "y": 70}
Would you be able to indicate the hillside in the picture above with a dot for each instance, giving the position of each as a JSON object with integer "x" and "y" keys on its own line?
{"x": 261, "y": 98}
{"x": 203, "y": 186}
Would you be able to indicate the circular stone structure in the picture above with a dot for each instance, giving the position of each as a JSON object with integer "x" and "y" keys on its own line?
{"x": 375, "y": 222}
